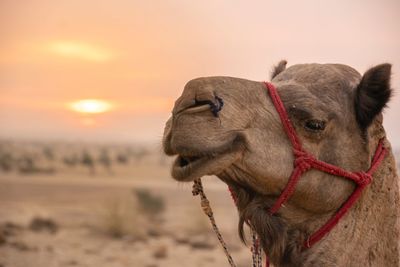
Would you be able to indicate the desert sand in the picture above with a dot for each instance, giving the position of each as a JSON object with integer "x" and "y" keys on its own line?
{"x": 56, "y": 214}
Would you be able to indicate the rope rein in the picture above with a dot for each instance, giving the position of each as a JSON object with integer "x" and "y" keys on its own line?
{"x": 256, "y": 250}
{"x": 205, "y": 205}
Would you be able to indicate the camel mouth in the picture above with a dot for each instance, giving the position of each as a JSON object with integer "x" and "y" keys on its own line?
{"x": 185, "y": 168}
{"x": 184, "y": 161}
{"x": 191, "y": 163}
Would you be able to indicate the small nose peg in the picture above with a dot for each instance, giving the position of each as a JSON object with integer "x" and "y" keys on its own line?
{"x": 217, "y": 106}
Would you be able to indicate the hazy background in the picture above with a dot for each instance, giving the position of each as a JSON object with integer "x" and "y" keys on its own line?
{"x": 140, "y": 54}
{"x": 87, "y": 185}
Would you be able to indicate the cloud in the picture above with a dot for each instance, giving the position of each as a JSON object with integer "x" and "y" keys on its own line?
{"x": 79, "y": 50}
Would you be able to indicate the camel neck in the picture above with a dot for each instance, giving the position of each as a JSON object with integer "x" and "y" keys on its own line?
{"x": 369, "y": 234}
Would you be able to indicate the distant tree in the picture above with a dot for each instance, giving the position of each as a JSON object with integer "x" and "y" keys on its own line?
{"x": 71, "y": 160}
{"x": 122, "y": 158}
{"x": 105, "y": 160}
{"x": 6, "y": 161}
{"x": 88, "y": 161}
{"x": 26, "y": 164}
{"x": 48, "y": 153}
{"x": 140, "y": 153}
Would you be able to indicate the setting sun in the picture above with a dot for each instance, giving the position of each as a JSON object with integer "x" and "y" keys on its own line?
{"x": 90, "y": 106}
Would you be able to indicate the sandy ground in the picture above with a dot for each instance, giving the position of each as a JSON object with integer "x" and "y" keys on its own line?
{"x": 65, "y": 204}
{"x": 75, "y": 207}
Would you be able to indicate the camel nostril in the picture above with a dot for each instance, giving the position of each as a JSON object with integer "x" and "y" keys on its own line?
{"x": 215, "y": 106}
{"x": 203, "y": 105}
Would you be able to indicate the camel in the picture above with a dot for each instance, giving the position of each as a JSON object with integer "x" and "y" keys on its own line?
{"x": 229, "y": 127}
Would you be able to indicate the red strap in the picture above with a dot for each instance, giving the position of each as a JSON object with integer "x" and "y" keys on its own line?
{"x": 362, "y": 181}
{"x": 305, "y": 161}
{"x": 291, "y": 133}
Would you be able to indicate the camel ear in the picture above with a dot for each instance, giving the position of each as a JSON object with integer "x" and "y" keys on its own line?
{"x": 372, "y": 94}
{"x": 278, "y": 68}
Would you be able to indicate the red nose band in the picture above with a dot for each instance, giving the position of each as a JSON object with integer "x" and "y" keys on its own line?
{"x": 304, "y": 161}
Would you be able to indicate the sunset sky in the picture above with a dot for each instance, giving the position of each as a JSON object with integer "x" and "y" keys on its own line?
{"x": 136, "y": 56}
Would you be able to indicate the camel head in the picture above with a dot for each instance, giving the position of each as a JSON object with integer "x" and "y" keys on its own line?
{"x": 229, "y": 127}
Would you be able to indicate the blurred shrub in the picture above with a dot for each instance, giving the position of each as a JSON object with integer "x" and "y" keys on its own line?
{"x": 48, "y": 153}
{"x": 114, "y": 220}
{"x": 6, "y": 161}
{"x": 105, "y": 160}
{"x": 71, "y": 161}
{"x": 151, "y": 205}
{"x": 26, "y": 165}
{"x": 39, "y": 224}
{"x": 87, "y": 160}
{"x": 122, "y": 158}
{"x": 139, "y": 153}
{"x": 120, "y": 219}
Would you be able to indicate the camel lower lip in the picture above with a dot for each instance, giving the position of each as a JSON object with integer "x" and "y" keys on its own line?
{"x": 201, "y": 166}
{"x": 185, "y": 161}
{"x": 189, "y": 167}
{"x": 183, "y": 167}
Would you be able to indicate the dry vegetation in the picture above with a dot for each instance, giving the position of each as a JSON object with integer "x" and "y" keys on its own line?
{"x": 66, "y": 204}
{"x": 36, "y": 157}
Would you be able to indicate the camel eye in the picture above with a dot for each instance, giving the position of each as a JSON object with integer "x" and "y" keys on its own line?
{"x": 315, "y": 125}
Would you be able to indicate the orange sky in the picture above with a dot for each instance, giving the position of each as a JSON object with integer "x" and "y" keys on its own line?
{"x": 139, "y": 55}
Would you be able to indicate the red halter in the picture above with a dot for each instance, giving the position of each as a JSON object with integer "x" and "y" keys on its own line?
{"x": 305, "y": 161}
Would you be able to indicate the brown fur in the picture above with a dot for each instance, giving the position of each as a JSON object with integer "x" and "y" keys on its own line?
{"x": 277, "y": 237}
{"x": 246, "y": 147}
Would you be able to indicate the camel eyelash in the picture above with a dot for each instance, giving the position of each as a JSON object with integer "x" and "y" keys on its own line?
{"x": 315, "y": 125}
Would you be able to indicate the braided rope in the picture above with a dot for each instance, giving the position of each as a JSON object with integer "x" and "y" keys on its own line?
{"x": 205, "y": 204}
{"x": 256, "y": 250}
